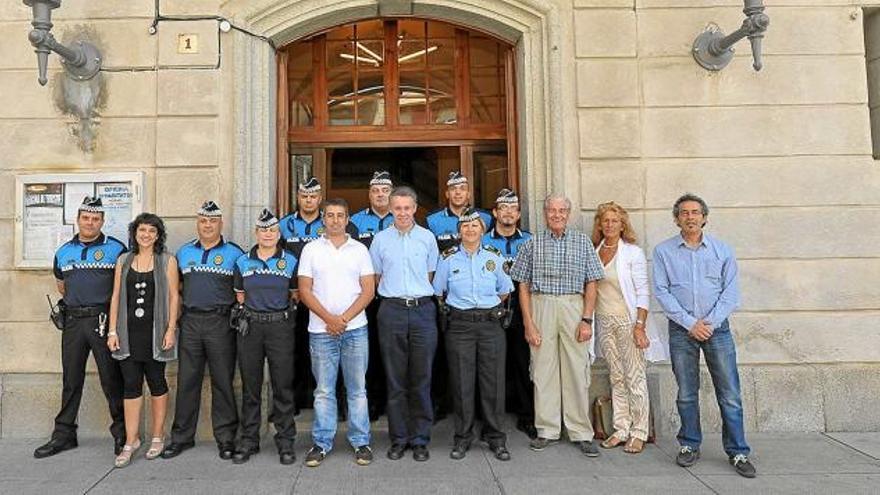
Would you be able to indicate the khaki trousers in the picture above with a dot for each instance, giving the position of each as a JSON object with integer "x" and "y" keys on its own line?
{"x": 626, "y": 370}
{"x": 560, "y": 368}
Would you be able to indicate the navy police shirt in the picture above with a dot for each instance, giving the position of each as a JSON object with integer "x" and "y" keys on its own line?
{"x": 207, "y": 274}
{"x": 87, "y": 269}
{"x": 297, "y": 232}
{"x": 369, "y": 224}
{"x": 266, "y": 284}
{"x": 508, "y": 246}
{"x": 443, "y": 223}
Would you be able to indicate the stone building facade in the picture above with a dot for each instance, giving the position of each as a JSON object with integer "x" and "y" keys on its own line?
{"x": 610, "y": 105}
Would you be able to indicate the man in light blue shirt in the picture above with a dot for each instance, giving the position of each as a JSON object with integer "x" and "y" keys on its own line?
{"x": 695, "y": 281}
{"x": 404, "y": 257}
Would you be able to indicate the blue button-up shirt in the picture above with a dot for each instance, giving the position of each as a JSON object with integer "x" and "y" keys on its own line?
{"x": 472, "y": 281}
{"x": 369, "y": 224}
{"x": 444, "y": 224}
{"x": 207, "y": 273}
{"x": 403, "y": 260}
{"x": 87, "y": 269}
{"x": 694, "y": 284}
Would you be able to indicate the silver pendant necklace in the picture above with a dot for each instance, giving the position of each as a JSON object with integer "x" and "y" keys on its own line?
{"x": 140, "y": 286}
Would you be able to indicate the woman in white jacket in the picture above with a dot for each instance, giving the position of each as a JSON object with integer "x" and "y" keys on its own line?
{"x": 622, "y": 325}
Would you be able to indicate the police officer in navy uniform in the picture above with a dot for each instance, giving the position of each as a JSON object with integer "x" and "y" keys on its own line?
{"x": 443, "y": 223}
{"x": 206, "y": 265}
{"x": 264, "y": 282}
{"x": 376, "y": 217}
{"x": 84, "y": 269}
{"x": 507, "y": 238}
{"x": 471, "y": 279}
{"x": 369, "y": 222}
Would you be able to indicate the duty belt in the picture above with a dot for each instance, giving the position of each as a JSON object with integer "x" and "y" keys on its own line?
{"x": 267, "y": 317}
{"x": 85, "y": 311}
{"x": 474, "y": 314}
{"x": 409, "y": 302}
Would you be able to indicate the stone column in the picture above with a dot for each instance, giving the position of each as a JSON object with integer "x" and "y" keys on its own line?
{"x": 255, "y": 108}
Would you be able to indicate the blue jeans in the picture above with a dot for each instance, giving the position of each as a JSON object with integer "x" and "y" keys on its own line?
{"x": 720, "y": 354}
{"x": 351, "y": 351}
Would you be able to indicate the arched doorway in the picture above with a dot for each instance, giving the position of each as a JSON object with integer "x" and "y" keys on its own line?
{"x": 417, "y": 97}
{"x": 546, "y": 146}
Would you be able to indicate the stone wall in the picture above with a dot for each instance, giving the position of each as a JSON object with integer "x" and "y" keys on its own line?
{"x": 783, "y": 157}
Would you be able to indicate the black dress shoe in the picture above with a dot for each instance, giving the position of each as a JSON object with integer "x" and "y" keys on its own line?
{"x": 118, "y": 444}
{"x": 226, "y": 451}
{"x": 459, "y": 450}
{"x": 287, "y": 458}
{"x": 54, "y": 446}
{"x": 395, "y": 452}
{"x": 420, "y": 453}
{"x": 500, "y": 451}
{"x": 174, "y": 449}
{"x": 241, "y": 456}
{"x": 528, "y": 427}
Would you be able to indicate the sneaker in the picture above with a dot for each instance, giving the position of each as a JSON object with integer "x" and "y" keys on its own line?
{"x": 588, "y": 448}
{"x": 541, "y": 443}
{"x": 743, "y": 466}
{"x": 363, "y": 455}
{"x": 687, "y": 456}
{"x": 315, "y": 456}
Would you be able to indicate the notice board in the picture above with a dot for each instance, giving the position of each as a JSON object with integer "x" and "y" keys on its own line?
{"x": 46, "y": 207}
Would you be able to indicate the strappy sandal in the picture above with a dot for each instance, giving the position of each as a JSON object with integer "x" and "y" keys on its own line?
{"x": 634, "y": 446}
{"x": 612, "y": 442}
{"x": 157, "y": 445}
{"x": 124, "y": 457}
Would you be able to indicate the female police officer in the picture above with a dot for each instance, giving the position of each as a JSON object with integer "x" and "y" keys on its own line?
{"x": 474, "y": 283}
{"x": 264, "y": 281}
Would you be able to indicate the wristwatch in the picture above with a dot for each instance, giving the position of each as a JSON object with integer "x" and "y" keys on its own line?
{"x": 587, "y": 320}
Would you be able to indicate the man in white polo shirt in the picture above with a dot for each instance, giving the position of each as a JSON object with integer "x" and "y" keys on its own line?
{"x": 336, "y": 282}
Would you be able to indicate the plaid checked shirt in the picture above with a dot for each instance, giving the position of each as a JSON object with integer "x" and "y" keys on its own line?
{"x": 557, "y": 266}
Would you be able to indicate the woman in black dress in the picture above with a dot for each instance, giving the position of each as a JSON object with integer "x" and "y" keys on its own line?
{"x": 143, "y": 328}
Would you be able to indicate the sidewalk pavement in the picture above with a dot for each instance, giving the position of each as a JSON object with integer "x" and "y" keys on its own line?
{"x": 794, "y": 463}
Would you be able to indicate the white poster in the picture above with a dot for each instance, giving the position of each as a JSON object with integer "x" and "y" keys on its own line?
{"x": 46, "y": 231}
{"x": 117, "y": 200}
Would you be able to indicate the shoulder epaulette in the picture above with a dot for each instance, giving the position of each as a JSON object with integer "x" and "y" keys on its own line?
{"x": 492, "y": 249}
{"x": 449, "y": 252}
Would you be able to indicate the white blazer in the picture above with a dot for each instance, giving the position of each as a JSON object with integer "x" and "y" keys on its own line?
{"x": 632, "y": 274}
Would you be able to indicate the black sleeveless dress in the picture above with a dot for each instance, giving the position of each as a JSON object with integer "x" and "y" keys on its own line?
{"x": 141, "y": 289}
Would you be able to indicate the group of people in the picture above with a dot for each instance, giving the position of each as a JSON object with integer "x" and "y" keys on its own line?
{"x": 507, "y": 319}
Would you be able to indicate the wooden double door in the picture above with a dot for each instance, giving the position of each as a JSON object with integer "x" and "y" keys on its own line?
{"x": 416, "y": 97}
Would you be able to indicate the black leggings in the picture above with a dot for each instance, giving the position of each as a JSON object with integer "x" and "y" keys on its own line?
{"x": 134, "y": 373}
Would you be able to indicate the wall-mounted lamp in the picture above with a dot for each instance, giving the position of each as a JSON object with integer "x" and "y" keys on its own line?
{"x": 81, "y": 61}
{"x": 713, "y": 51}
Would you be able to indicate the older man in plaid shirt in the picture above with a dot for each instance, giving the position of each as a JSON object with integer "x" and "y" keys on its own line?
{"x": 557, "y": 270}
